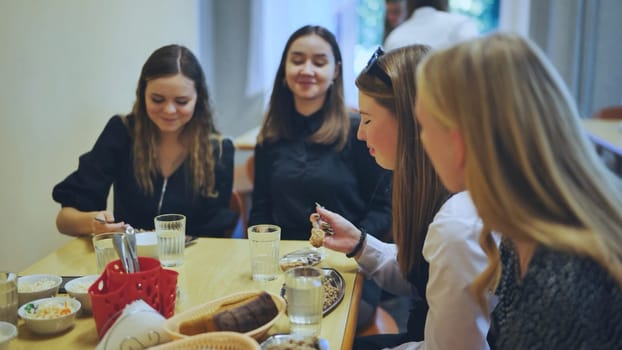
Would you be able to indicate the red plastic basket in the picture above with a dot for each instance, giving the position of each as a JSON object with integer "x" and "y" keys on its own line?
{"x": 115, "y": 288}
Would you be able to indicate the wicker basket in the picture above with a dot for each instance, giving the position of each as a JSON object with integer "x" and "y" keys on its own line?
{"x": 213, "y": 340}
{"x": 171, "y": 325}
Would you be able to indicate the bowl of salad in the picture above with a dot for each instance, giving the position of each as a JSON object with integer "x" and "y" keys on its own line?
{"x": 49, "y": 315}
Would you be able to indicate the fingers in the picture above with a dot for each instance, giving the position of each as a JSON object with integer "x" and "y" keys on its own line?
{"x": 105, "y": 223}
{"x": 104, "y": 217}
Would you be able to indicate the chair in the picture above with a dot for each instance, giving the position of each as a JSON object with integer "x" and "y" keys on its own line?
{"x": 237, "y": 205}
{"x": 383, "y": 323}
{"x": 250, "y": 168}
{"x": 610, "y": 113}
{"x": 613, "y": 161}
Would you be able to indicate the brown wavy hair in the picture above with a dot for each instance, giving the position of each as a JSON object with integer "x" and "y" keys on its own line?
{"x": 418, "y": 192}
{"x": 197, "y": 135}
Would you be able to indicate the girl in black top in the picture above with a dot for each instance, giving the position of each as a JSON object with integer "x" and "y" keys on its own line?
{"x": 307, "y": 150}
{"x": 165, "y": 157}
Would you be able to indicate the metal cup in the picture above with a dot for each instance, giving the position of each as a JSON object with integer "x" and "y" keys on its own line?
{"x": 8, "y": 297}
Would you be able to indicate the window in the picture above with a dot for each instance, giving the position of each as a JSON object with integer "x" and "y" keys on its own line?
{"x": 371, "y": 23}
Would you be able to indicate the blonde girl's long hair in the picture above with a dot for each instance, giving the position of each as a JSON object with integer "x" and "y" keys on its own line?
{"x": 531, "y": 171}
{"x": 197, "y": 135}
{"x": 418, "y": 192}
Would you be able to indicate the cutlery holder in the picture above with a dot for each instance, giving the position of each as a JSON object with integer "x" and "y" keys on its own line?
{"x": 115, "y": 288}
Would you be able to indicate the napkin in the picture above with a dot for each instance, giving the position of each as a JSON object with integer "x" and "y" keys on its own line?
{"x": 139, "y": 326}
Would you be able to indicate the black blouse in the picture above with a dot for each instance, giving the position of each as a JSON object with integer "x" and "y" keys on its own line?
{"x": 563, "y": 302}
{"x": 292, "y": 175}
{"x": 110, "y": 162}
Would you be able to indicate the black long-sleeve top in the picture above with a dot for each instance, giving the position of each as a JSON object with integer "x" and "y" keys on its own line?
{"x": 292, "y": 175}
{"x": 110, "y": 162}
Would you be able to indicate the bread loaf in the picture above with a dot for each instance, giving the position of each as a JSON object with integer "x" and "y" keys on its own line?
{"x": 241, "y": 316}
{"x": 317, "y": 237}
{"x": 320, "y": 229}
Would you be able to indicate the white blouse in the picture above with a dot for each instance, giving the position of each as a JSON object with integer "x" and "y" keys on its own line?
{"x": 455, "y": 319}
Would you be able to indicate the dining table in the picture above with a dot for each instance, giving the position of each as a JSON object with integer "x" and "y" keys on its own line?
{"x": 213, "y": 268}
{"x": 606, "y": 134}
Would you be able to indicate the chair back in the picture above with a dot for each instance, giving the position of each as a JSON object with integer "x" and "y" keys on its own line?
{"x": 611, "y": 113}
{"x": 236, "y": 204}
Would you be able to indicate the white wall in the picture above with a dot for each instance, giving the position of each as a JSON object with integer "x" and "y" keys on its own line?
{"x": 66, "y": 66}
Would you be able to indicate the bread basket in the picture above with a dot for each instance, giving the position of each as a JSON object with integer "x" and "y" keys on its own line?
{"x": 213, "y": 340}
{"x": 171, "y": 325}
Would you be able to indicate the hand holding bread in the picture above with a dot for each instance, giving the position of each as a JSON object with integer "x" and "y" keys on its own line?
{"x": 343, "y": 236}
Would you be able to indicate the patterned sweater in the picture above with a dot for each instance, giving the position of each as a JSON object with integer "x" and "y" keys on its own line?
{"x": 564, "y": 301}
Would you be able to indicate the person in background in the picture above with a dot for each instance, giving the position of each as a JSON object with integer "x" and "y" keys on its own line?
{"x": 166, "y": 156}
{"x": 431, "y": 24}
{"x": 395, "y": 13}
{"x": 436, "y": 255}
{"x": 511, "y": 135}
{"x": 307, "y": 151}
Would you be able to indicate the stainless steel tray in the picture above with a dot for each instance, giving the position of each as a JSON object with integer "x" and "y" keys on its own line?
{"x": 334, "y": 279}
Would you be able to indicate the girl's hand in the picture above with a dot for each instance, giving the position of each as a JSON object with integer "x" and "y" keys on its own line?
{"x": 346, "y": 235}
{"x": 104, "y": 222}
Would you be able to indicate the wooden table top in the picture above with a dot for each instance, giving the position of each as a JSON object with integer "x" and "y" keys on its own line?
{"x": 213, "y": 268}
{"x": 605, "y": 133}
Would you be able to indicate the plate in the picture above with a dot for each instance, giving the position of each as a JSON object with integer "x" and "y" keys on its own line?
{"x": 171, "y": 326}
{"x": 334, "y": 285}
{"x": 291, "y": 340}
{"x": 301, "y": 257}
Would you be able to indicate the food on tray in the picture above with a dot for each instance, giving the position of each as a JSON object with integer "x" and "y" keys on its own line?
{"x": 320, "y": 229}
{"x": 309, "y": 343}
{"x": 241, "y": 316}
{"x": 301, "y": 257}
{"x": 331, "y": 293}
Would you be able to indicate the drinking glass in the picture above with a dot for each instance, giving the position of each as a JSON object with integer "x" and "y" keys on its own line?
{"x": 304, "y": 293}
{"x": 104, "y": 249}
{"x": 264, "y": 249}
{"x": 8, "y": 297}
{"x": 171, "y": 232}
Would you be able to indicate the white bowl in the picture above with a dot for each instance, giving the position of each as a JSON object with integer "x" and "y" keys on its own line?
{"x": 147, "y": 244}
{"x": 49, "y": 323}
{"x": 7, "y": 332}
{"x": 79, "y": 288}
{"x": 33, "y": 287}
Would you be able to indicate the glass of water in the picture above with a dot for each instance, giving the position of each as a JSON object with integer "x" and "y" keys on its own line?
{"x": 104, "y": 249}
{"x": 305, "y": 296}
{"x": 8, "y": 297}
{"x": 171, "y": 232}
{"x": 264, "y": 249}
